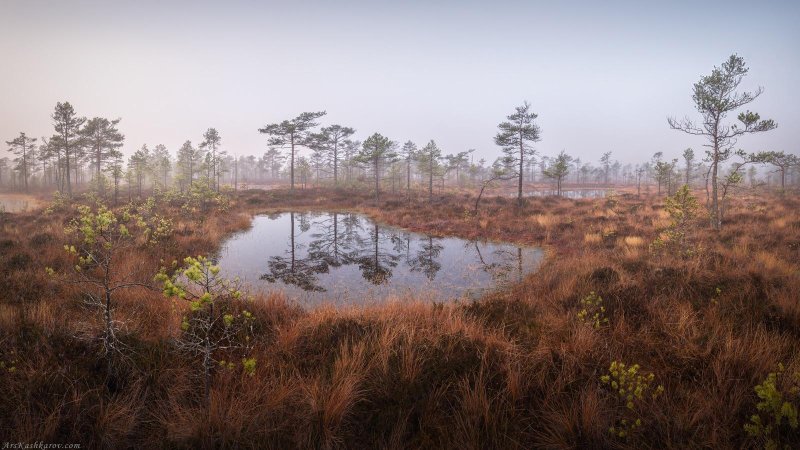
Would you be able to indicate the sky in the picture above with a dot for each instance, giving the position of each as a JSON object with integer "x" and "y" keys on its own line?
{"x": 603, "y": 76}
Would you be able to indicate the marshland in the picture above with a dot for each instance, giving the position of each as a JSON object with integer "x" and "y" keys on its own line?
{"x": 244, "y": 269}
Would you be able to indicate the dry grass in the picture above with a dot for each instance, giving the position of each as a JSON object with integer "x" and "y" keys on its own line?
{"x": 634, "y": 241}
{"x": 592, "y": 238}
{"x": 516, "y": 369}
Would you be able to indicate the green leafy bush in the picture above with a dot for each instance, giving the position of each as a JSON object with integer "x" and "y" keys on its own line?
{"x": 776, "y": 422}
{"x": 633, "y": 390}
{"x": 592, "y": 310}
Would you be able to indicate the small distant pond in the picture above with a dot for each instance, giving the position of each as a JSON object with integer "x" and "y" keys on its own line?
{"x": 571, "y": 193}
{"x": 13, "y": 203}
{"x": 346, "y": 258}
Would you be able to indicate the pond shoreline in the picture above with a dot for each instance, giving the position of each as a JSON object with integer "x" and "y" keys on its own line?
{"x": 325, "y": 246}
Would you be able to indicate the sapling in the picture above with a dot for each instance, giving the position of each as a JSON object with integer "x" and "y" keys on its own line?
{"x": 211, "y": 327}
{"x": 682, "y": 209}
{"x": 100, "y": 240}
{"x": 199, "y": 199}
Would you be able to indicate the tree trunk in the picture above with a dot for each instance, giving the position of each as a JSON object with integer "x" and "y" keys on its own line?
{"x": 291, "y": 188}
{"x": 66, "y": 159}
{"x": 715, "y": 219}
{"x": 408, "y": 177}
{"x": 477, "y": 200}
{"x": 430, "y": 178}
{"x": 335, "y": 163}
{"x": 377, "y": 181}
{"x": 519, "y": 187}
{"x": 207, "y": 370}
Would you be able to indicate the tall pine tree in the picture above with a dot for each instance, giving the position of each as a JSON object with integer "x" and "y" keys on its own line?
{"x": 291, "y": 134}
{"x": 516, "y": 137}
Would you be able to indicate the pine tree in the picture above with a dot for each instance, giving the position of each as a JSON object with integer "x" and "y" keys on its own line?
{"x": 103, "y": 141}
{"x": 688, "y": 158}
{"x": 408, "y": 153}
{"x": 23, "y": 147}
{"x": 605, "y": 161}
{"x": 292, "y": 133}
{"x": 559, "y": 169}
{"x": 211, "y": 143}
{"x": 161, "y": 164}
{"x": 429, "y": 163}
{"x": 273, "y": 161}
{"x": 782, "y": 161}
{"x": 189, "y": 161}
{"x": 137, "y": 165}
{"x": 516, "y": 137}
{"x": 67, "y": 138}
{"x": 715, "y": 96}
{"x": 376, "y": 150}
{"x": 3, "y": 167}
{"x": 329, "y": 142}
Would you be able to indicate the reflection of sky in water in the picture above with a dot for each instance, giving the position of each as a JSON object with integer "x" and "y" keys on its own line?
{"x": 341, "y": 266}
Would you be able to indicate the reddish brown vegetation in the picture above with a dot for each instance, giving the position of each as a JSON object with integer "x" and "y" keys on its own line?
{"x": 516, "y": 369}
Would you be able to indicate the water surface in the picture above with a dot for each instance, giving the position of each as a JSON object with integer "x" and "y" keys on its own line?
{"x": 347, "y": 258}
{"x": 14, "y": 203}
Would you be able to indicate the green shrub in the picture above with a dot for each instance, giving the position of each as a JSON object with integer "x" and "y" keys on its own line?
{"x": 776, "y": 421}
{"x": 592, "y": 310}
{"x": 214, "y": 326}
{"x": 682, "y": 209}
{"x": 633, "y": 390}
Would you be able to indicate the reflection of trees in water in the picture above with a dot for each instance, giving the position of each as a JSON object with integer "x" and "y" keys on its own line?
{"x": 503, "y": 262}
{"x": 342, "y": 239}
{"x": 325, "y": 246}
{"x": 425, "y": 260}
{"x": 300, "y": 272}
{"x": 376, "y": 266}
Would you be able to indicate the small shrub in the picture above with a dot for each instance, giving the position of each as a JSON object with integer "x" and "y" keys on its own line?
{"x": 682, "y": 210}
{"x": 213, "y": 326}
{"x": 633, "y": 390}
{"x": 592, "y": 310}
{"x": 776, "y": 422}
{"x": 60, "y": 201}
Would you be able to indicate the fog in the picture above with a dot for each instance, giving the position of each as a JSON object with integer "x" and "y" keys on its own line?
{"x": 601, "y": 77}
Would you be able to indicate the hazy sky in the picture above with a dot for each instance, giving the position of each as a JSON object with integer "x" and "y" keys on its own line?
{"x": 603, "y": 76}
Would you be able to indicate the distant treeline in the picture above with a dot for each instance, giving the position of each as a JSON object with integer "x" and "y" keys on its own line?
{"x": 86, "y": 153}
